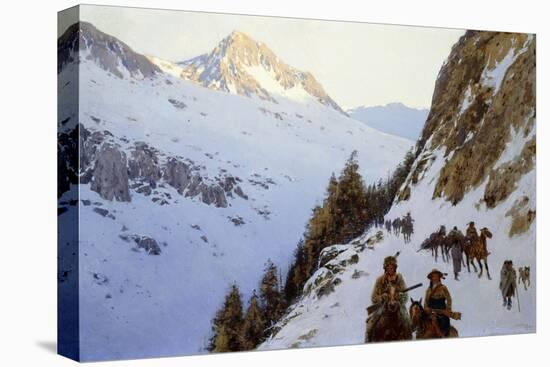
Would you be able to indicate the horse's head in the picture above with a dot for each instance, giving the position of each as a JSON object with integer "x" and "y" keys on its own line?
{"x": 485, "y": 232}
{"x": 416, "y": 311}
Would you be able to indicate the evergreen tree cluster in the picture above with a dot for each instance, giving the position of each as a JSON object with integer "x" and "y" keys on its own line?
{"x": 233, "y": 330}
{"x": 380, "y": 196}
{"x": 348, "y": 209}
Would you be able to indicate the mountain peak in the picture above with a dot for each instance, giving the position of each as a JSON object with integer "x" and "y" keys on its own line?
{"x": 241, "y": 65}
{"x": 84, "y": 40}
{"x": 239, "y": 35}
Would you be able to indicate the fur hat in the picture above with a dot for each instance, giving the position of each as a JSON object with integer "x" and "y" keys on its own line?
{"x": 435, "y": 271}
{"x": 390, "y": 260}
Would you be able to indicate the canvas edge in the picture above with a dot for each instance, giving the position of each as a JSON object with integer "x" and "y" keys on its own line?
{"x": 68, "y": 317}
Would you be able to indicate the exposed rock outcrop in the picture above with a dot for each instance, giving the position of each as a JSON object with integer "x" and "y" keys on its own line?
{"x": 148, "y": 244}
{"x": 89, "y": 144}
{"x": 109, "y": 53}
{"x": 177, "y": 174}
{"x": 67, "y": 161}
{"x": 143, "y": 164}
{"x": 110, "y": 174}
{"x": 484, "y": 93}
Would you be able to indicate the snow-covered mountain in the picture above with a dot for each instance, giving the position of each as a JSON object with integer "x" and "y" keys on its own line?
{"x": 176, "y": 197}
{"x": 393, "y": 118}
{"x": 475, "y": 162}
{"x": 240, "y": 65}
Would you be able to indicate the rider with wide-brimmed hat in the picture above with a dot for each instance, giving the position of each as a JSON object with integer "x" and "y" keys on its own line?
{"x": 437, "y": 299}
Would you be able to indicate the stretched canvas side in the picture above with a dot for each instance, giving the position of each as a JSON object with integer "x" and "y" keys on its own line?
{"x": 68, "y": 330}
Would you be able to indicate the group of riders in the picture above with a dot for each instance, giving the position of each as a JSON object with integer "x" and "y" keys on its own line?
{"x": 388, "y": 318}
{"x": 461, "y": 249}
{"x": 402, "y": 225}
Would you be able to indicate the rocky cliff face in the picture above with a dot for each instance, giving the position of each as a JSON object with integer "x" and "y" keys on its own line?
{"x": 243, "y": 66}
{"x": 83, "y": 40}
{"x": 116, "y": 168}
{"x": 484, "y": 101}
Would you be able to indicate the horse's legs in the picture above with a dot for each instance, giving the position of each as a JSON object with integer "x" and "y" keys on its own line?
{"x": 480, "y": 267}
{"x": 487, "y": 268}
{"x": 473, "y": 264}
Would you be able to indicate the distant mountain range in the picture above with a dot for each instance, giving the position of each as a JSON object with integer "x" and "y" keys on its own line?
{"x": 393, "y": 118}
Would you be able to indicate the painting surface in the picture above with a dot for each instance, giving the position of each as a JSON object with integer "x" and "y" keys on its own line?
{"x": 239, "y": 182}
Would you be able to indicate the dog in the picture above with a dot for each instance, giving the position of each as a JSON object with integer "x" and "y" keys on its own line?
{"x": 525, "y": 276}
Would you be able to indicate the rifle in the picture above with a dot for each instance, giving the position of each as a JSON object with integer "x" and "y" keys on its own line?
{"x": 451, "y": 314}
{"x": 375, "y": 306}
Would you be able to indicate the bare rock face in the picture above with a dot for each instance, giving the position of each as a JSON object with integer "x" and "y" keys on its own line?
{"x": 89, "y": 143}
{"x": 484, "y": 93}
{"x": 148, "y": 244}
{"x": 177, "y": 174}
{"x": 143, "y": 165}
{"x": 67, "y": 161}
{"x": 213, "y": 195}
{"x": 110, "y": 174}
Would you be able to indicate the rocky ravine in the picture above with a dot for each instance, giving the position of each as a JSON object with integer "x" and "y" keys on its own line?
{"x": 475, "y": 162}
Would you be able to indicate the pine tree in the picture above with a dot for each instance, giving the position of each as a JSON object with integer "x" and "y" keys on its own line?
{"x": 351, "y": 213}
{"x": 297, "y": 275}
{"x": 272, "y": 301}
{"x": 254, "y": 324}
{"x": 228, "y": 324}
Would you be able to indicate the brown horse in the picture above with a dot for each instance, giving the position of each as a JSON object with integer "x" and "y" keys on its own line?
{"x": 425, "y": 324}
{"x": 391, "y": 324}
{"x": 478, "y": 251}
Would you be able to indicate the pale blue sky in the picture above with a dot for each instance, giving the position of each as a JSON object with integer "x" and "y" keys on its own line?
{"x": 357, "y": 63}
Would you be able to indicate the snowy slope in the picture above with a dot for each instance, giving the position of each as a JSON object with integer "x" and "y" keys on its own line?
{"x": 507, "y": 61}
{"x": 136, "y": 304}
{"x": 339, "y": 318}
{"x": 393, "y": 118}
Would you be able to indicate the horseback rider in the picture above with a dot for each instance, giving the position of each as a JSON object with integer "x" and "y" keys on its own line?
{"x": 471, "y": 233}
{"x": 438, "y": 300}
{"x": 381, "y": 294}
{"x": 508, "y": 283}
